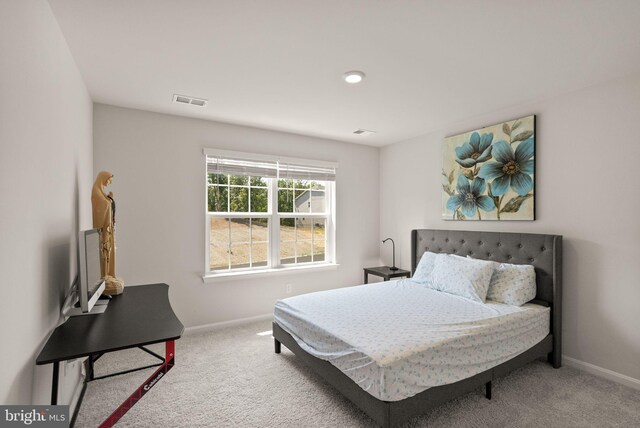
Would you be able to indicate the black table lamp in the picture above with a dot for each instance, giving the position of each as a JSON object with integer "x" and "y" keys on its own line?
{"x": 393, "y": 266}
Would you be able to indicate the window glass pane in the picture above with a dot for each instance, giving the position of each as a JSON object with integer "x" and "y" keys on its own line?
{"x": 259, "y": 254}
{"x": 287, "y": 230}
{"x": 287, "y": 240}
{"x": 240, "y": 230}
{"x": 239, "y": 180}
{"x": 217, "y": 179}
{"x": 218, "y": 258}
{"x": 318, "y": 203}
{"x": 310, "y": 201}
{"x": 285, "y": 184}
{"x": 302, "y": 201}
{"x": 259, "y": 230}
{"x": 303, "y": 229}
{"x": 285, "y": 201}
{"x": 217, "y": 200}
{"x": 317, "y": 185}
{"x": 259, "y": 200}
{"x": 219, "y": 244}
{"x": 301, "y": 184}
{"x": 303, "y": 251}
{"x": 258, "y": 181}
{"x": 287, "y": 252}
{"x": 319, "y": 239}
{"x": 239, "y": 255}
{"x": 239, "y": 199}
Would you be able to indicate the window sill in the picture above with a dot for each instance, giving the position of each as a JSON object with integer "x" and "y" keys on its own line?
{"x": 226, "y": 276}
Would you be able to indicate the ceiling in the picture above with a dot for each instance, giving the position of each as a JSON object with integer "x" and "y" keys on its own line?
{"x": 277, "y": 64}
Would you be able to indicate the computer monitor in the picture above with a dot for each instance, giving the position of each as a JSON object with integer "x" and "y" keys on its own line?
{"x": 90, "y": 281}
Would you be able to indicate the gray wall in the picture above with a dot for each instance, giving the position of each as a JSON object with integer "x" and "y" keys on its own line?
{"x": 587, "y": 190}
{"x": 159, "y": 188}
{"x": 45, "y": 187}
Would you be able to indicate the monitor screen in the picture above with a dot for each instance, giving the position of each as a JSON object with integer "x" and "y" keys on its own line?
{"x": 90, "y": 284}
{"x": 92, "y": 248}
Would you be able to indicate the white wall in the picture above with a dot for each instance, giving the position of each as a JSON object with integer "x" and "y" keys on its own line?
{"x": 45, "y": 186}
{"x": 159, "y": 188}
{"x": 587, "y": 150}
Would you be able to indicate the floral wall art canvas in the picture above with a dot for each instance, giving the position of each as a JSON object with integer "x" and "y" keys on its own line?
{"x": 489, "y": 173}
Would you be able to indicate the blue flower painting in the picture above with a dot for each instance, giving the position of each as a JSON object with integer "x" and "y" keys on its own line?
{"x": 488, "y": 174}
{"x": 469, "y": 197}
{"x": 478, "y": 149}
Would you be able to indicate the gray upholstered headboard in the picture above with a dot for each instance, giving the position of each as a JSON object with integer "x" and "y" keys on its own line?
{"x": 544, "y": 252}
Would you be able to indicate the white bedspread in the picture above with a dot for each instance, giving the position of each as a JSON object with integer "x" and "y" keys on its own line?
{"x": 397, "y": 338}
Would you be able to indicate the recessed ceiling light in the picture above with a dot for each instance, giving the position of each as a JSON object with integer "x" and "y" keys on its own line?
{"x": 353, "y": 76}
{"x": 365, "y": 132}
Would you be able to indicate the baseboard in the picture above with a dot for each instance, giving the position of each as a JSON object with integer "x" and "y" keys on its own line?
{"x": 224, "y": 324}
{"x": 602, "y": 372}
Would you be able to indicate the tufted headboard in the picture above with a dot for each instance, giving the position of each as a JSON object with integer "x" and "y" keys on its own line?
{"x": 544, "y": 252}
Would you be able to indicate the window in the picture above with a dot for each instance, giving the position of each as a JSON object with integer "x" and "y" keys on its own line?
{"x": 265, "y": 213}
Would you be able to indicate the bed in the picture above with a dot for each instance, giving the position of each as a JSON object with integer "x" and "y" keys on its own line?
{"x": 352, "y": 357}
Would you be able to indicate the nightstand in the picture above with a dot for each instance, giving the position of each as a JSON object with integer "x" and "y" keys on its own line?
{"x": 385, "y": 272}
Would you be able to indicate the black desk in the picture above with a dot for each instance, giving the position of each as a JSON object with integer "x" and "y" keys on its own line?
{"x": 142, "y": 315}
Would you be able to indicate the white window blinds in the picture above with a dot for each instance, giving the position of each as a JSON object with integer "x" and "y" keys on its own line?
{"x": 305, "y": 172}
{"x": 282, "y": 169}
{"x": 225, "y": 165}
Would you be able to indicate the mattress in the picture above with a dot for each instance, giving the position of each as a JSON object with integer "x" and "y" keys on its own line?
{"x": 396, "y": 339}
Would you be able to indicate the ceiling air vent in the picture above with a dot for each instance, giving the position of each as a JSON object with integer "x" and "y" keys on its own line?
{"x": 363, "y": 132}
{"x": 183, "y": 99}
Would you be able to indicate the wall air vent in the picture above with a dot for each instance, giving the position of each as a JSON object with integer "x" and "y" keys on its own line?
{"x": 183, "y": 99}
{"x": 363, "y": 132}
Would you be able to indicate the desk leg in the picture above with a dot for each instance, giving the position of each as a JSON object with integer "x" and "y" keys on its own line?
{"x": 54, "y": 383}
{"x": 145, "y": 387}
{"x": 366, "y": 278}
{"x": 90, "y": 369}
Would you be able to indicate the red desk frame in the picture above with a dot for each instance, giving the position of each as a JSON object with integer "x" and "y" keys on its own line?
{"x": 169, "y": 362}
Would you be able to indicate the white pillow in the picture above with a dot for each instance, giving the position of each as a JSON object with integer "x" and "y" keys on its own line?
{"x": 512, "y": 284}
{"x": 462, "y": 276}
{"x": 423, "y": 271}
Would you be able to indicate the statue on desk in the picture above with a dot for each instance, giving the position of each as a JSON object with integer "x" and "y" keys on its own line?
{"x": 104, "y": 218}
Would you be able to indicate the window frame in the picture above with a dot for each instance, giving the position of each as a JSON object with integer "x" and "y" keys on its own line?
{"x": 273, "y": 220}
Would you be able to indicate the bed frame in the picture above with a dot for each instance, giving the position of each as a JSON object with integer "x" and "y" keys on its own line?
{"x": 544, "y": 252}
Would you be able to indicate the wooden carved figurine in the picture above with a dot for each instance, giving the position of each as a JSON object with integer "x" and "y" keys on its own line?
{"x": 104, "y": 210}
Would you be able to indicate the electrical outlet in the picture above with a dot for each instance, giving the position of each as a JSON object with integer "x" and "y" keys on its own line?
{"x": 288, "y": 288}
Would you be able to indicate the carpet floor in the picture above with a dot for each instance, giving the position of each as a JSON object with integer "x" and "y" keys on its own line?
{"x": 232, "y": 378}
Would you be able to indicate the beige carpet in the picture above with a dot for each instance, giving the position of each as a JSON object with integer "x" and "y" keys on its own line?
{"x": 232, "y": 378}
